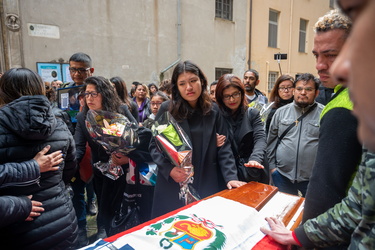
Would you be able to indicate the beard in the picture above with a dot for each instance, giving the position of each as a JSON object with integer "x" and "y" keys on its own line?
{"x": 249, "y": 88}
{"x": 303, "y": 104}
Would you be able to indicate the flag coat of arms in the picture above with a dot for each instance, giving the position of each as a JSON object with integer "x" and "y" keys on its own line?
{"x": 215, "y": 223}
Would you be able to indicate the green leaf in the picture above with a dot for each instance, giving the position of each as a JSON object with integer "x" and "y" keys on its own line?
{"x": 172, "y": 135}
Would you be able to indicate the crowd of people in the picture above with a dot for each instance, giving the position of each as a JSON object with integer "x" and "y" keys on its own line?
{"x": 301, "y": 140}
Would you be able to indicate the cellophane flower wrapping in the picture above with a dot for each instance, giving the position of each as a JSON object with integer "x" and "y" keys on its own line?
{"x": 264, "y": 108}
{"x": 147, "y": 173}
{"x": 172, "y": 140}
{"x": 115, "y": 133}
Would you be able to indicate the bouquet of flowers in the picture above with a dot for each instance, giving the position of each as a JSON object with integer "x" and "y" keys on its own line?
{"x": 115, "y": 133}
{"x": 176, "y": 146}
{"x": 264, "y": 108}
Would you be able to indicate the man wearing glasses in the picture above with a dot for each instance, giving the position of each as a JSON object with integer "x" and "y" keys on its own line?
{"x": 80, "y": 67}
{"x": 293, "y": 137}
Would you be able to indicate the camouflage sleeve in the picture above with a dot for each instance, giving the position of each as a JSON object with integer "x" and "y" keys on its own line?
{"x": 350, "y": 221}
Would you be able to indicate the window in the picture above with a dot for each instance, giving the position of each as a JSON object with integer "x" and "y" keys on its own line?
{"x": 302, "y": 35}
{"x": 272, "y": 77}
{"x": 272, "y": 29}
{"x": 224, "y": 9}
{"x": 221, "y": 71}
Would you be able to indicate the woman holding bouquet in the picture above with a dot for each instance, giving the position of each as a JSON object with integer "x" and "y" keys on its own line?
{"x": 101, "y": 95}
{"x": 246, "y": 132}
{"x": 214, "y": 167}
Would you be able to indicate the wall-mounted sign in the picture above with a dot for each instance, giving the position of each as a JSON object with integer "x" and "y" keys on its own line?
{"x": 42, "y": 30}
{"x": 49, "y": 71}
{"x": 54, "y": 71}
{"x": 66, "y": 73}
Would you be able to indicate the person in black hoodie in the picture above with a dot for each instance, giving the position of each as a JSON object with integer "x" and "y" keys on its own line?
{"x": 27, "y": 125}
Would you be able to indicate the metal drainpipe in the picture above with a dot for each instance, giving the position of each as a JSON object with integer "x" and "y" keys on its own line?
{"x": 178, "y": 39}
{"x": 250, "y": 33}
{"x": 290, "y": 36}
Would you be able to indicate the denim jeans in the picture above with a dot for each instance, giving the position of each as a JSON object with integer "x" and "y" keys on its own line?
{"x": 286, "y": 186}
{"x": 79, "y": 203}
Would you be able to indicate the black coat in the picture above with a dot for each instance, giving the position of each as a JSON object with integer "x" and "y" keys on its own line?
{"x": 16, "y": 208}
{"x": 248, "y": 139}
{"x": 134, "y": 110}
{"x": 27, "y": 125}
{"x": 211, "y": 172}
{"x": 109, "y": 192}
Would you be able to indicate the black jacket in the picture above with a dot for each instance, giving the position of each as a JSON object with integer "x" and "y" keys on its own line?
{"x": 27, "y": 125}
{"x": 109, "y": 192}
{"x": 211, "y": 172}
{"x": 16, "y": 208}
{"x": 248, "y": 141}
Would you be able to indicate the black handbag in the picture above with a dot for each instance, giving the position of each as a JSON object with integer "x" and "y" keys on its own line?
{"x": 250, "y": 174}
{"x": 244, "y": 173}
{"x": 124, "y": 220}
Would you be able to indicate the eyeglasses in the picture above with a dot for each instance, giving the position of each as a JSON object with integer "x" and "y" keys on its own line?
{"x": 92, "y": 94}
{"x": 155, "y": 103}
{"x": 234, "y": 96}
{"x": 79, "y": 70}
{"x": 308, "y": 89}
{"x": 283, "y": 89}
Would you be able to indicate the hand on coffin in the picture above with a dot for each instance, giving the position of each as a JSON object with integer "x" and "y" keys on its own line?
{"x": 279, "y": 232}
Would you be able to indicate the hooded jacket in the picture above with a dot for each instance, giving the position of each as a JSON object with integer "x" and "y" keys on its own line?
{"x": 27, "y": 125}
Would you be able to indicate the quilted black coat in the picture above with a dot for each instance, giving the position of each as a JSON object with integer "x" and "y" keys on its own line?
{"x": 27, "y": 125}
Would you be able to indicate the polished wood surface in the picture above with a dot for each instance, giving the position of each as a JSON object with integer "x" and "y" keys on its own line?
{"x": 252, "y": 194}
{"x": 256, "y": 195}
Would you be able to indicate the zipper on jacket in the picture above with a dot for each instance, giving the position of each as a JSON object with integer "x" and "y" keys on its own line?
{"x": 22, "y": 184}
{"x": 297, "y": 157}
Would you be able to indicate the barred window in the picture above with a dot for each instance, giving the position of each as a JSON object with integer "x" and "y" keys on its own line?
{"x": 302, "y": 35}
{"x": 272, "y": 77}
{"x": 272, "y": 28}
{"x": 224, "y": 9}
{"x": 221, "y": 71}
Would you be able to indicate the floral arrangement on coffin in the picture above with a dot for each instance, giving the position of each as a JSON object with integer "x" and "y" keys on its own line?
{"x": 172, "y": 140}
{"x": 115, "y": 133}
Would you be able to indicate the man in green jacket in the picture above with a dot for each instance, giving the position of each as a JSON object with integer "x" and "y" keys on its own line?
{"x": 352, "y": 220}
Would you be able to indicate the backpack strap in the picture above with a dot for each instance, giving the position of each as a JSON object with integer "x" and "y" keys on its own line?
{"x": 294, "y": 124}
